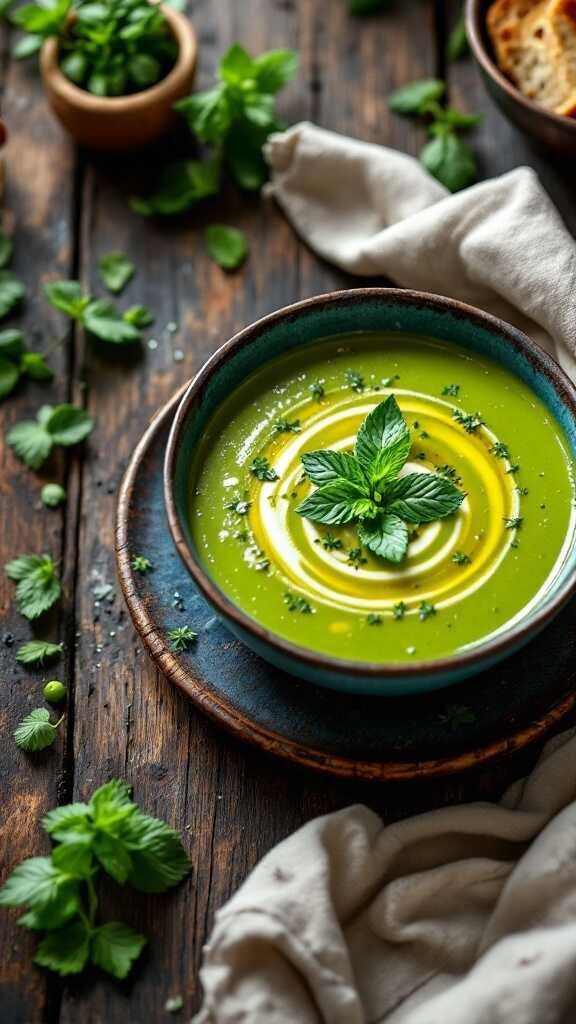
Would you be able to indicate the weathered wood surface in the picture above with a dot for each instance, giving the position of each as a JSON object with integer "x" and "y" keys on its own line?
{"x": 230, "y": 803}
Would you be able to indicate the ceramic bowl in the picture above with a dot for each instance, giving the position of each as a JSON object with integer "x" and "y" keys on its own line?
{"x": 120, "y": 123}
{"x": 552, "y": 131}
{"x": 362, "y": 310}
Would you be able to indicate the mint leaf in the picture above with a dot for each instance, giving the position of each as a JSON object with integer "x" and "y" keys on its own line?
{"x": 457, "y": 46}
{"x": 36, "y": 731}
{"x": 383, "y": 427}
{"x": 56, "y": 911}
{"x": 334, "y": 503}
{"x": 5, "y": 249}
{"x": 416, "y": 96}
{"x": 11, "y": 343}
{"x": 34, "y": 882}
{"x": 274, "y": 69}
{"x": 34, "y": 366}
{"x": 159, "y": 861}
{"x": 27, "y": 46}
{"x": 115, "y": 947}
{"x": 74, "y": 857}
{"x": 140, "y": 316}
{"x": 113, "y": 856}
{"x": 67, "y": 297}
{"x": 68, "y": 425}
{"x": 235, "y": 65}
{"x": 181, "y": 186}
{"x": 12, "y": 291}
{"x": 103, "y": 320}
{"x": 9, "y": 376}
{"x": 65, "y": 820}
{"x": 226, "y": 246}
{"x": 115, "y": 270}
{"x": 450, "y": 160}
{"x": 111, "y": 804}
{"x": 30, "y": 442}
{"x": 386, "y": 536}
{"x": 324, "y": 467}
{"x": 66, "y": 950}
{"x": 38, "y": 586}
{"x": 422, "y": 497}
{"x": 36, "y": 652}
{"x": 42, "y": 19}
{"x": 389, "y": 461}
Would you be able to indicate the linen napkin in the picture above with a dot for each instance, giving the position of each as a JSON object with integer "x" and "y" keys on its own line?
{"x": 465, "y": 915}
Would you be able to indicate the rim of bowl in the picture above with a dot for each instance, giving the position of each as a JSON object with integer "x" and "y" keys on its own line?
{"x": 544, "y": 363}
{"x": 185, "y": 35}
{"x": 477, "y": 32}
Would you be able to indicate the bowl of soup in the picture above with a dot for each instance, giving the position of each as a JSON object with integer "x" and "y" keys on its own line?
{"x": 375, "y": 489}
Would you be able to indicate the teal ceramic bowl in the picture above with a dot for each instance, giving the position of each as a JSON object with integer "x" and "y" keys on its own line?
{"x": 360, "y": 311}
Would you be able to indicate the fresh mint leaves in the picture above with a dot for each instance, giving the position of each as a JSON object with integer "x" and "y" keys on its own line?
{"x": 226, "y": 246}
{"x": 115, "y": 271}
{"x": 111, "y": 834}
{"x": 16, "y": 362}
{"x": 99, "y": 316}
{"x": 64, "y": 425}
{"x": 447, "y": 157}
{"x": 234, "y": 118}
{"x": 36, "y": 732}
{"x": 365, "y": 487}
{"x": 36, "y": 652}
{"x": 37, "y": 583}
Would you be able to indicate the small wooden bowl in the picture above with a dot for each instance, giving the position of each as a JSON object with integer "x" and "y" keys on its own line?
{"x": 116, "y": 124}
{"x": 552, "y": 131}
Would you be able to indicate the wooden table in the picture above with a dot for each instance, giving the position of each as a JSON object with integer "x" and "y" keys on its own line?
{"x": 230, "y": 803}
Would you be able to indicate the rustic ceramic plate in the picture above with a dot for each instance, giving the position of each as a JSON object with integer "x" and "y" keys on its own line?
{"x": 473, "y": 723}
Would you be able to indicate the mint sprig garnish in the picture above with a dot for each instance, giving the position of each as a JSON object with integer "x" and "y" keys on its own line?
{"x": 110, "y": 834}
{"x": 365, "y": 487}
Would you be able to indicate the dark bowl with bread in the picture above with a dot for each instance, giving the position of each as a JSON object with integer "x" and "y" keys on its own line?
{"x": 526, "y": 50}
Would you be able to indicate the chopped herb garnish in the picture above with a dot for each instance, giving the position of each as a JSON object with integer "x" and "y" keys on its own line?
{"x": 513, "y": 523}
{"x": 239, "y": 505}
{"x": 459, "y": 558}
{"x": 513, "y": 469}
{"x": 262, "y": 564}
{"x": 522, "y": 491}
{"x": 514, "y": 544}
{"x": 141, "y": 564}
{"x": 451, "y": 389}
{"x": 373, "y": 619}
{"x": 424, "y": 435}
{"x": 242, "y": 535}
{"x": 449, "y": 473}
{"x": 426, "y": 610}
{"x": 500, "y": 450}
{"x": 365, "y": 487}
{"x": 297, "y": 603}
{"x": 356, "y": 558}
{"x": 262, "y": 470}
{"x": 182, "y": 638}
{"x": 470, "y": 421}
{"x": 283, "y": 426}
{"x": 317, "y": 391}
{"x": 355, "y": 381}
{"x": 399, "y": 610}
{"x": 330, "y": 543}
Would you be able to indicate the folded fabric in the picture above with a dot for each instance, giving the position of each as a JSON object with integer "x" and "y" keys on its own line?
{"x": 465, "y": 915}
{"x": 500, "y": 245}
{"x": 449, "y": 917}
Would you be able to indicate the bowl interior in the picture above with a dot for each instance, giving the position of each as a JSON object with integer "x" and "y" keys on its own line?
{"x": 361, "y": 311}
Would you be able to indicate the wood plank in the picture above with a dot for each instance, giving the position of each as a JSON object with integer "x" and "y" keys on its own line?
{"x": 38, "y": 206}
{"x": 232, "y": 803}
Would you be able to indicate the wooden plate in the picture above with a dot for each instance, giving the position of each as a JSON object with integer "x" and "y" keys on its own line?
{"x": 379, "y": 738}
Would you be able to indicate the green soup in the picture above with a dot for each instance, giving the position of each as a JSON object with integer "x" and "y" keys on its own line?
{"x": 465, "y": 578}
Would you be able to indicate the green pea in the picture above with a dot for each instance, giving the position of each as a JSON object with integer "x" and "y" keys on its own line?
{"x": 54, "y": 692}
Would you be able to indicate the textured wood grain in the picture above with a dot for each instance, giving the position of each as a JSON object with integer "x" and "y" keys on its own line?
{"x": 230, "y": 803}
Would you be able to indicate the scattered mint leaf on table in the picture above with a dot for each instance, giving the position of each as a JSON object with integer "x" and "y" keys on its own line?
{"x": 36, "y": 652}
{"x": 65, "y": 950}
{"x": 450, "y": 160}
{"x": 12, "y": 291}
{"x": 457, "y": 45}
{"x": 52, "y": 495}
{"x": 415, "y": 97}
{"x": 115, "y": 947}
{"x": 34, "y": 365}
{"x": 140, "y": 316}
{"x": 180, "y": 187}
{"x": 30, "y": 442}
{"x": 365, "y": 487}
{"x": 9, "y": 376}
{"x": 37, "y": 583}
{"x": 11, "y": 343}
{"x": 115, "y": 270}
{"x": 26, "y": 47}
{"x": 99, "y": 316}
{"x": 36, "y": 731}
{"x": 226, "y": 246}
{"x": 64, "y": 425}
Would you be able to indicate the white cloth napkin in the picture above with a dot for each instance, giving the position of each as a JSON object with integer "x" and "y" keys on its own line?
{"x": 459, "y": 916}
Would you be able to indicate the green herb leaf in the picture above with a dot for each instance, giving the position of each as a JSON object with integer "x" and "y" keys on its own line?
{"x": 422, "y": 497}
{"x": 115, "y": 947}
{"x": 34, "y": 366}
{"x": 12, "y": 292}
{"x": 9, "y": 376}
{"x": 415, "y": 97}
{"x": 457, "y": 46}
{"x": 386, "y": 535}
{"x": 36, "y": 652}
{"x": 450, "y": 160}
{"x": 159, "y": 860}
{"x": 334, "y": 503}
{"x": 36, "y": 731}
{"x": 34, "y": 882}
{"x": 102, "y": 319}
{"x": 52, "y": 495}
{"x": 383, "y": 427}
{"x": 226, "y": 246}
{"x": 68, "y": 425}
{"x": 140, "y": 316}
{"x": 67, "y": 297}
{"x": 182, "y": 638}
{"x": 5, "y": 250}
{"x": 45, "y": 19}
{"x": 389, "y": 461}
{"x": 38, "y": 586}
{"x": 11, "y": 343}
{"x": 274, "y": 69}
{"x": 27, "y": 46}
{"x": 66, "y": 950}
{"x": 30, "y": 442}
{"x": 115, "y": 270}
{"x": 63, "y": 821}
{"x": 260, "y": 468}
{"x": 362, "y": 8}
{"x": 181, "y": 186}
{"x": 324, "y": 467}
